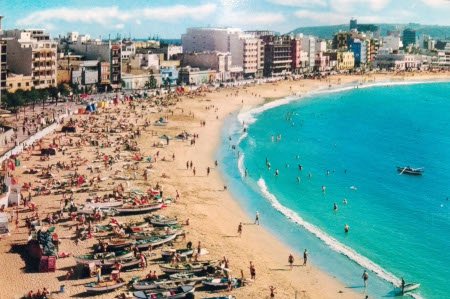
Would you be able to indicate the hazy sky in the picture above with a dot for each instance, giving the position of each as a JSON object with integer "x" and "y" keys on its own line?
{"x": 169, "y": 18}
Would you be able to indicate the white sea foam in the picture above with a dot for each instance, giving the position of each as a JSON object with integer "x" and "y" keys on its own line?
{"x": 328, "y": 240}
{"x": 241, "y": 166}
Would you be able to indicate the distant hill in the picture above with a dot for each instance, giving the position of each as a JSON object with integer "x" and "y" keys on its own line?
{"x": 327, "y": 32}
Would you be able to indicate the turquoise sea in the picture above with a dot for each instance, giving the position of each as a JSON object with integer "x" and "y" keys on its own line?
{"x": 351, "y": 142}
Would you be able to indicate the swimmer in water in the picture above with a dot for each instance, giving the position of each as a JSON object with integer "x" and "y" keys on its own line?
{"x": 268, "y": 166}
{"x": 298, "y": 179}
{"x": 346, "y": 228}
{"x": 335, "y": 207}
{"x": 300, "y": 168}
{"x": 246, "y": 172}
{"x": 277, "y": 172}
{"x": 324, "y": 189}
{"x": 344, "y": 201}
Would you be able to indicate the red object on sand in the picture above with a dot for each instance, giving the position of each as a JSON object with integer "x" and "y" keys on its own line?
{"x": 47, "y": 264}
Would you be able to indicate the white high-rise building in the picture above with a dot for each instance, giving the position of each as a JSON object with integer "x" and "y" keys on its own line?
{"x": 245, "y": 49}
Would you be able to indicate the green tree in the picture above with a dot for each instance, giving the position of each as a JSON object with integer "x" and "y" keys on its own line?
{"x": 43, "y": 96}
{"x": 33, "y": 97}
{"x": 14, "y": 100}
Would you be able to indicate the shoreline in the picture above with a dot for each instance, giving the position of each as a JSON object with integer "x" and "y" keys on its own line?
{"x": 213, "y": 213}
{"x": 247, "y": 118}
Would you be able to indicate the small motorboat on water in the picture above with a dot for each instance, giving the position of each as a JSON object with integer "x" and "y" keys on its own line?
{"x": 409, "y": 170}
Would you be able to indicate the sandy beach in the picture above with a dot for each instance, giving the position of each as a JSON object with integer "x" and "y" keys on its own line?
{"x": 213, "y": 214}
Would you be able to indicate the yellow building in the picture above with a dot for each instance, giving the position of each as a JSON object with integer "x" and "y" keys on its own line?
{"x": 15, "y": 82}
{"x": 345, "y": 61}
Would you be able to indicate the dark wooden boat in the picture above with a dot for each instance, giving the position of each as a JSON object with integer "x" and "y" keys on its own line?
{"x": 409, "y": 170}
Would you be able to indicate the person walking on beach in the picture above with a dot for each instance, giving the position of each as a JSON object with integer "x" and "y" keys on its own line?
{"x": 272, "y": 291}
{"x": 305, "y": 257}
{"x": 252, "y": 271}
{"x": 365, "y": 277}
{"x": 208, "y": 170}
{"x": 257, "y": 218}
{"x": 193, "y": 171}
{"x": 291, "y": 261}
{"x": 240, "y": 229}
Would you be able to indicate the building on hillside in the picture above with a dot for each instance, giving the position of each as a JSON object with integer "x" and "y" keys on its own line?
{"x": 359, "y": 50}
{"x": 104, "y": 52}
{"x": 32, "y": 53}
{"x": 245, "y": 49}
{"x": 195, "y": 76}
{"x": 345, "y": 61}
{"x": 398, "y": 62}
{"x": 368, "y": 28}
{"x": 409, "y": 37}
{"x": 218, "y": 61}
{"x": 277, "y": 55}
{"x": 15, "y": 82}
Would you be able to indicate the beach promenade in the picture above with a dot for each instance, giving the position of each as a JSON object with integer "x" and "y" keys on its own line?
{"x": 213, "y": 215}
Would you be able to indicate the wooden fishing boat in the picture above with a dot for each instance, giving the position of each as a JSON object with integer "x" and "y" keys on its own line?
{"x": 103, "y": 258}
{"x": 105, "y": 204}
{"x": 154, "y": 241}
{"x": 218, "y": 283}
{"x": 410, "y": 170}
{"x": 129, "y": 209}
{"x": 116, "y": 244}
{"x": 176, "y": 293}
{"x": 107, "y": 285}
{"x": 160, "y": 220}
{"x": 185, "y": 276}
{"x": 183, "y": 253}
{"x": 195, "y": 267}
{"x": 148, "y": 284}
{"x": 151, "y": 232}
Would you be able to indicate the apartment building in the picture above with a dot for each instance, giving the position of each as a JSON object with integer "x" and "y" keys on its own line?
{"x": 104, "y": 52}
{"x": 277, "y": 55}
{"x": 245, "y": 49}
{"x": 32, "y": 53}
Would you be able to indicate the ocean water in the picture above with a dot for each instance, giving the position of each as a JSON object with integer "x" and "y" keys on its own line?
{"x": 350, "y": 142}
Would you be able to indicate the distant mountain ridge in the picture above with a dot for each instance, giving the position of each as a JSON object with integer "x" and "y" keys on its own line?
{"x": 327, "y": 32}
